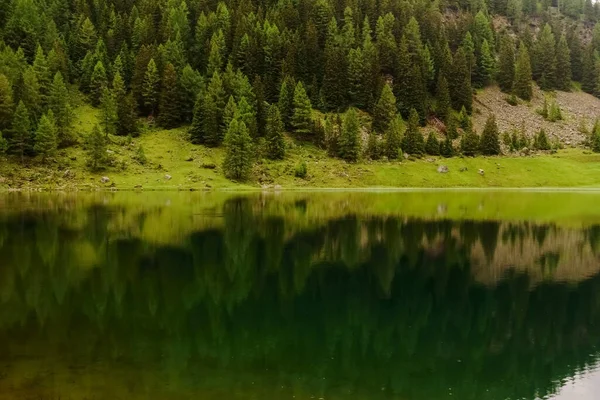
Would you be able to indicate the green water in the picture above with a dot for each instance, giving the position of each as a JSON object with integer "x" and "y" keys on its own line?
{"x": 413, "y": 296}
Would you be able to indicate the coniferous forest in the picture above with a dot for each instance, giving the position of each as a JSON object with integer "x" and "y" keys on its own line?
{"x": 359, "y": 78}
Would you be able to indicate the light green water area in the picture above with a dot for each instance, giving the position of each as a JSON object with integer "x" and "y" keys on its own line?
{"x": 343, "y": 295}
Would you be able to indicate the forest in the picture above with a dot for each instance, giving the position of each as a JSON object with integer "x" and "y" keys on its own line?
{"x": 359, "y": 78}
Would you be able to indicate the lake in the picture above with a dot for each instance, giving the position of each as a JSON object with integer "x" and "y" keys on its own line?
{"x": 324, "y": 295}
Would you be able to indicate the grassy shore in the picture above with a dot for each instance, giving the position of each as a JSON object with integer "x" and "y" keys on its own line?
{"x": 174, "y": 163}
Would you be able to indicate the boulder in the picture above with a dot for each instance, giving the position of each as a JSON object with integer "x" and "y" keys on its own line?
{"x": 463, "y": 169}
{"x": 481, "y": 172}
{"x": 443, "y": 169}
{"x": 105, "y": 179}
{"x": 168, "y": 177}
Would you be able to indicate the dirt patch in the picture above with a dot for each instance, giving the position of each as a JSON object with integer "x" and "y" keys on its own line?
{"x": 578, "y": 109}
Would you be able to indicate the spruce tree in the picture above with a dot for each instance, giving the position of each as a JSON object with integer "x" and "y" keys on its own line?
{"x": 443, "y": 107}
{"x": 7, "y": 105}
{"x": 358, "y": 78}
{"x": 588, "y": 74}
{"x": 469, "y": 143}
{"x": 3, "y": 144}
{"x": 393, "y": 138}
{"x": 189, "y": 84}
{"x": 301, "y": 119}
{"x": 409, "y": 87}
{"x": 563, "y": 65}
{"x": 506, "y": 64}
{"x": 486, "y": 64}
{"x": 432, "y": 145}
{"x": 126, "y": 117}
{"x": 446, "y": 147}
{"x": 413, "y": 142}
{"x": 150, "y": 87}
{"x": 58, "y": 102}
{"x": 96, "y": 149}
{"x": 489, "y": 144}
{"x": 373, "y": 146}
{"x": 237, "y": 164}
{"x": 384, "y": 110}
{"x": 108, "y": 112}
{"x": 545, "y": 59}
{"x": 274, "y": 134}
{"x": 461, "y": 92}
{"x": 98, "y": 83}
{"x": 169, "y": 107}
{"x": 349, "y": 141}
{"x": 334, "y": 87}
{"x": 40, "y": 66}
{"x": 260, "y": 106}
{"x": 46, "y": 138}
{"x": 541, "y": 141}
{"x": 21, "y": 132}
{"x": 230, "y": 111}
{"x": 286, "y": 102}
{"x": 522, "y": 81}
{"x": 28, "y": 91}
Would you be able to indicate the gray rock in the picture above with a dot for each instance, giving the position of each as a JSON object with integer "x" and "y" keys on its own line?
{"x": 481, "y": 172}
{"x": 105, "y": 179}
{"x": 443, "y": 169}
{"x": 405, "y": 155}
{"x": 168, "y": 177}
{"x": 463, "y": 169}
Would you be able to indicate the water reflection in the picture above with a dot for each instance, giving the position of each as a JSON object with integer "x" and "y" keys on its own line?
{"x": 264, "y": 297}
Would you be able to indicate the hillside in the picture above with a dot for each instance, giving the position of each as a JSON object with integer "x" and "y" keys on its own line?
{"x": 314, "y": 93}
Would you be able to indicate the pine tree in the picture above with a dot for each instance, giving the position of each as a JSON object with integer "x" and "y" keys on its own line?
{"x": 98, "y": 83}
{"x": 96, "y": 149}
{"x": 21, "y": 131}
{"x": 40, "y": 66}
{"x": 301, "y": 119}
{"x": 127, "y": 117}
{"x": 237, "y": 164}
{"x": 469, "y": 143}
{"x": 230, "y": 111}
{"x": 589, "y": 76}
{"x": 286, "y": 102}
{"x": 545, "y": 59}
{"x": 432, "y": 145}
{"x": 150, "y": 87}
{"x": 522, "y": 86}
{"x": 358, "y": 79}
{"x": 461, "y": 92}
{"x": 446, "y": 147}
{"x": 58, "y": 102}
{"x": 28, "y": 91}
{"x": 6, "y": 102}
{"x": 563, "y": 65}
{"x": 46, "y": 138}
{"x": 260, "y": 106}
{"x": 334, "y": 87}
{"x": 409, "y": 87}
{"x": 373, "y": 146}
{"x": 541, "y": 141}
{"x": 349, "y": 142}
{"x": 189, "y": 84}
{"x": 486, "y": 64}
{"x": 489, "y": 144}
{"x": 384, "y": 110}
{"x": 275, "y": 139}
{"x": 393, "y": 138}
{"x": 443, "y": 108}
{"x": 452, "y": 127}
{"x": 506, "y": 64}
{"x": 169, "y": 107}
{"x": 108, "y": 112}
{"x": 413, "y": 142}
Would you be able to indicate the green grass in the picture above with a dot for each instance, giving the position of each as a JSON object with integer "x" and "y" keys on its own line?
{"x": 197, "y": 167}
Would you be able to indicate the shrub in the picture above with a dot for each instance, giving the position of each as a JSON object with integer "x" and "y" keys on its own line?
{"x": 541, "y": 141}
{"x": 301, "y": 170}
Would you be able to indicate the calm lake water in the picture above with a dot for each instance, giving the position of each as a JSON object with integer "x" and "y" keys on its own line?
{"x": 411, "y": 296}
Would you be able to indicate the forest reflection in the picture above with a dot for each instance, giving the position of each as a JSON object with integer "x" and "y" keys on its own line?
{"x": 249, "y": 301}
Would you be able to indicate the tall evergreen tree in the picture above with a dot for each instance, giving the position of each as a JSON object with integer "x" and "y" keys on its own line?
{"x": 384, "y": 110}
{"x": 443, "y": 108}
{"x": 58, "y": 102}
{"x": 506, "y": 64}
{"x": 189, "y": 84}
{"x": 349, "y": 141}
{"x": 260, "y": 106}
{"x": 96, "y": 149}
{"x": 409, "y": 86}
{"x": 286, "y": 102}
{"x": 413, "y": 142}
{"x": 588, "y": 74}
{"x": 545, "y": 59}
{"x": 6, "y": 103}
{"x": 563, "y": 65}
{"x": 489, "y": 144}
{"x": 150, "y": 87}
{"x": 358, "y": 78}
{"x": 21, "y": 132}
{"x": 486, "y": 64}
{"x": 46, "y": 138}
{"x": 237, "y": 164}
{"x": 469, "y": 143}
{"x": 169, "y": 107}
{"x": 393, "y": 138}
{"x": 522, "y": 86}
{"x": 275, "y": 138}
{"x": 98, "y": 83}
{"x": 432, "y": 145}
{"x": 301, "y": 119}
{"x": 461, "y": 92}
{"x": 108, "y": 112}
